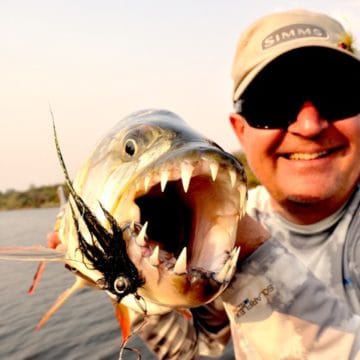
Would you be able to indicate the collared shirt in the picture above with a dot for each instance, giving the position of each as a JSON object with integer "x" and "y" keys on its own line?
{"x": 330, "y": 247}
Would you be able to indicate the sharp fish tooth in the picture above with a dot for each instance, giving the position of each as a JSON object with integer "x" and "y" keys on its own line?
{"x": 147, "y": 182}
{"x": 233, "y": 262}
{"x": 140, "y": 239}
{"x": 181, "y": 262}
{"x": 214, "y": 168}
{"x": 232, "y": 174}
{"x": 221, "y": 275}
{"x": 186, "y": 172}
{"x": 164, "y": 176}
{"x": 229, "y": 267}
{"x": 154, "y": 258}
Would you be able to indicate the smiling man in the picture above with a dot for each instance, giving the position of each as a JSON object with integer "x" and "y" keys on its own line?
{"x": 298, "y": 122}
{"x": 297, "y": 117}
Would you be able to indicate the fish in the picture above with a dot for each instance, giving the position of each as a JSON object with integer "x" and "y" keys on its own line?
{"x": 151, "y": 219}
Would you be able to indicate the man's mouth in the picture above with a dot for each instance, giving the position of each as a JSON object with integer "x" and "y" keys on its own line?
{"x": 307, "y": 156}
{"x": 310, "y": 155}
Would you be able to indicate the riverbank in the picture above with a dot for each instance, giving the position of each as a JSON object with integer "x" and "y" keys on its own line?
{"x": 34, "y": 197}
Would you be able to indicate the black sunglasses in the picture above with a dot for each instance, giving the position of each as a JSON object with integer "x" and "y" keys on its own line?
{"x": 278, "y": 110}
{"x": 323, "y": 76}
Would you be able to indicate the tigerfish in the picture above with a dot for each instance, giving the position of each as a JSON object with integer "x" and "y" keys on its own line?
{"x": 151, "y": 219}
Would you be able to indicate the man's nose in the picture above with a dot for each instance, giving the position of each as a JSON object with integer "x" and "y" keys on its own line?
{"x": 308, "y": 122}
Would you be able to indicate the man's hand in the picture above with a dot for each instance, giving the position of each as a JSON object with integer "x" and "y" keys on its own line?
{"x": 250, "y": 235}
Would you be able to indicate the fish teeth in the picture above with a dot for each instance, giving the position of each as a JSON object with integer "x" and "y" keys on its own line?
{"x": 227, "y": 270}
{"x": 234, "y": 259}
{"x": 232, "y": 174}
{"x": 186, "y": 172}
{"x": 214, "y": 168}
{"x": 181, "y": 263}
{"x": 147, "y": 183}
{"x": 140, "y": 239}
{"x": 164, "y": 177}
{"x": 154, "y": 257}
{"x": 221, "y": 275}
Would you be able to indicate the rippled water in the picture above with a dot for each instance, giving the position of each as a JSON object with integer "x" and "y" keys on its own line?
{"x": 84, "y": 327}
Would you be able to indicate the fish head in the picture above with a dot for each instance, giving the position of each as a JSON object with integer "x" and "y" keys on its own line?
{"x": 178, "y": 198}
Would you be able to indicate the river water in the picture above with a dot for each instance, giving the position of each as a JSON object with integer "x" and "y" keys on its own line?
{"x": 83, "y": 328}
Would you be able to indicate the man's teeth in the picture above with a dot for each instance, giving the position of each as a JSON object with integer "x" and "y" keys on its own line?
{"x": 307, "y": 156}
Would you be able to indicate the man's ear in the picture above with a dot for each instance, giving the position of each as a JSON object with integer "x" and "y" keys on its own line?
{"x": 238, "y": 124}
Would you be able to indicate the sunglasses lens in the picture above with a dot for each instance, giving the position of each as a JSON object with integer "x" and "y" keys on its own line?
{"x": 338, "y": 107}
{"x": 278, "y": 112}
{"x": 271, "y": 112}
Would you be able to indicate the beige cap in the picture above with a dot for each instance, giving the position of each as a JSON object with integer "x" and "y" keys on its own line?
{"x": 279, "y": 33}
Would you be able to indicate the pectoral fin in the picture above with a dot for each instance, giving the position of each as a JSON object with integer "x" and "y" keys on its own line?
{"x": 79, "y": 283}
{"x": 53, "y": 243}
{"x": 123, "y": 317}
{"x": 37, "y": 277}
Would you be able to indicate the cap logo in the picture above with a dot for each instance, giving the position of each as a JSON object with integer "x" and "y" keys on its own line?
{"x": 292, "y": 32}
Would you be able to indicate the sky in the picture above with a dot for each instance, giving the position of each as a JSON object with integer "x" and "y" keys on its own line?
{"x": 95, "y": 62}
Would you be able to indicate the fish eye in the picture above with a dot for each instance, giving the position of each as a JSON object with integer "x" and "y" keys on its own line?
{"x": 121, "y": 284}
{"x": 130, "y": 147}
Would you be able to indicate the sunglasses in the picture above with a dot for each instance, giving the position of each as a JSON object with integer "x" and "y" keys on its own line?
{"x": 275, "y": 110}
{"x": 324, "y": 77}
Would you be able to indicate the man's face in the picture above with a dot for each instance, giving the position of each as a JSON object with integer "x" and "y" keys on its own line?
{"x": 308, "y": 157}
{"x": 312, "y": 161}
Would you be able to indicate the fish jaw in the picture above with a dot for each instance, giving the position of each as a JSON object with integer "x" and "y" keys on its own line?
{"x": 183, "y": 240}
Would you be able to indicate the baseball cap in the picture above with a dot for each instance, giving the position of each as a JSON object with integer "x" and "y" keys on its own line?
{"x": 277, "y": 34}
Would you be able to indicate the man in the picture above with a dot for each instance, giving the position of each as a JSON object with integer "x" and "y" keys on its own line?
{"x": 297, "y": 117}
{"x": 298, "y": 120}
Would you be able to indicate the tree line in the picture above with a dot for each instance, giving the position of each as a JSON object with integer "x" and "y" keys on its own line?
{"x": 34, "y": 197}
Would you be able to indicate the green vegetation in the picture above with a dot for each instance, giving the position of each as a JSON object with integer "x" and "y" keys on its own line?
{"x": 34, "y": 197}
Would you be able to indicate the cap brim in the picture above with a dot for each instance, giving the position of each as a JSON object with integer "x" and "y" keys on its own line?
{"x": 251, "y": 75}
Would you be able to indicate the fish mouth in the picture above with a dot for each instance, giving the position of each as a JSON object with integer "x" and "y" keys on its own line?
{"x": 183, "y": 237}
